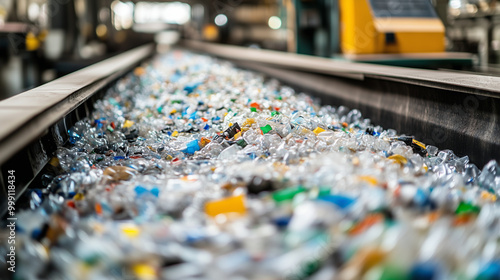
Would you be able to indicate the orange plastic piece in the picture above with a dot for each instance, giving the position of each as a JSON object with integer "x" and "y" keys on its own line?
{"x": 369, "y": 221}
{"x": 139, "y": 71}
{"x": 204, "y": 141}
{"x": 255, "y": 105}
{"x": 98, "y": 209}
{"x": 234, "y": 204}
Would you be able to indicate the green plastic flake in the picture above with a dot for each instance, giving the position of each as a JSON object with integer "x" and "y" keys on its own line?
{"x": 274, "y": 113}
{"x": 242, "y": 143}
{"x": 279, "y": 98}
{"x": 253, "y": 109}
{"x": 467, "y": 208}
{"x": 266, "y": 129}
{"x": 324, "y": 191}
{"x": 176, "y": 101}
{"x": 287, "y": 194}
{"x": 233, "y": 99}
{"x": 392, "y": 272}
{"x": 160, "y": 109}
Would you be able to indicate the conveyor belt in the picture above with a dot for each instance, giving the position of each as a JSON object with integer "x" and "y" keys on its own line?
{"x": 36, "y": 121}
{"x": 443, "y": 108}
{"x": 446, "y": 109}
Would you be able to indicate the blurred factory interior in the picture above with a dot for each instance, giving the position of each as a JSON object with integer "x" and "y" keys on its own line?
{"x": 41, "y": 40}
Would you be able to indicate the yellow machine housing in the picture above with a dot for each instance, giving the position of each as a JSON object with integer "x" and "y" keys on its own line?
{"x": 365, "y": 30}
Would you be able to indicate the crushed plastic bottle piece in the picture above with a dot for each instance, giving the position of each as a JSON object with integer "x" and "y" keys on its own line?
{"x": 235, "y": 204}
{"x": 467, "y": 208}
{"x": 144, "y": 272}
{"x": 192, "y": 147}
{"x": 118, "y": 173}
{"x": 130, "y": 230}
{"x": 128, "y": 124}
{"x": 266, "y": 129}
{"x": 318, "y": 130}
{"x": 398, "y": 159}
{"x": 287, "y": 194}
{"x": 341, "y": 201}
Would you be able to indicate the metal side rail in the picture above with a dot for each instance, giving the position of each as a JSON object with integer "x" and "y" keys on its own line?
{"x": 36, "y": 122}
{"x": 447, "y": 109}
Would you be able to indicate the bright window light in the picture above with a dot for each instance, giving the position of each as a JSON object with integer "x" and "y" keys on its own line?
{"x": 172, "y": 12}
{"x": 123, "y": 13}
{"x": 274, "y": 22}
{"x": 220, "y": 19}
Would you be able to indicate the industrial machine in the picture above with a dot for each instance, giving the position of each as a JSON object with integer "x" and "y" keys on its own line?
{"x": 402, "y": 33}
{"x": 376, "y": 26}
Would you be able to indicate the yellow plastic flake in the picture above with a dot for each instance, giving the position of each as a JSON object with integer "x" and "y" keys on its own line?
{"x": 131, "y": 230}
{"x": 175, "y": 133}
{"x": 54, "y": 161}
{"x": 173, "y": 111}
{"x": 128, "y": 124}
{"x": 419, "y": 144}
{"x": 32, "y": 43}
{"x": 369, "y": 179}
{"x": 318, "y": 130}
{"x": 144, "y": 271}
{"x": 488, "y": 196}
{"x": 78, "y": 196}
{"x": 237, "y": 135}
{"x": 225, "y": 114}
{"x": 234, "y": 204}
{"x": 398, "y": 159}
{"x": 248, "y": 122}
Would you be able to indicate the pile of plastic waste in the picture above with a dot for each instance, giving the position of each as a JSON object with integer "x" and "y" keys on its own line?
{"x": 190, "y": 168}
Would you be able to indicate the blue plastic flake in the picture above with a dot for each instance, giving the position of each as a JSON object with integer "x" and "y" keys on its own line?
{"x": 192, "y": 147}
{"x": 155, "y": 191}
{"x": 73, "y": 136}
{"x": 118, "y": 157}
{"x": 193, "y": 115}
{"x": 425, "y": 270}
{"x": 38, "y": 192}
{"x": 191, "y": 87}
{"x": 341, "y": 201}
{"x": 282, "y": 221}
{"x": 490, "y": 271}
{"x": 35, "y": 234}
{"x": 207, "y": 127}
{"x": 139, "y": 190}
